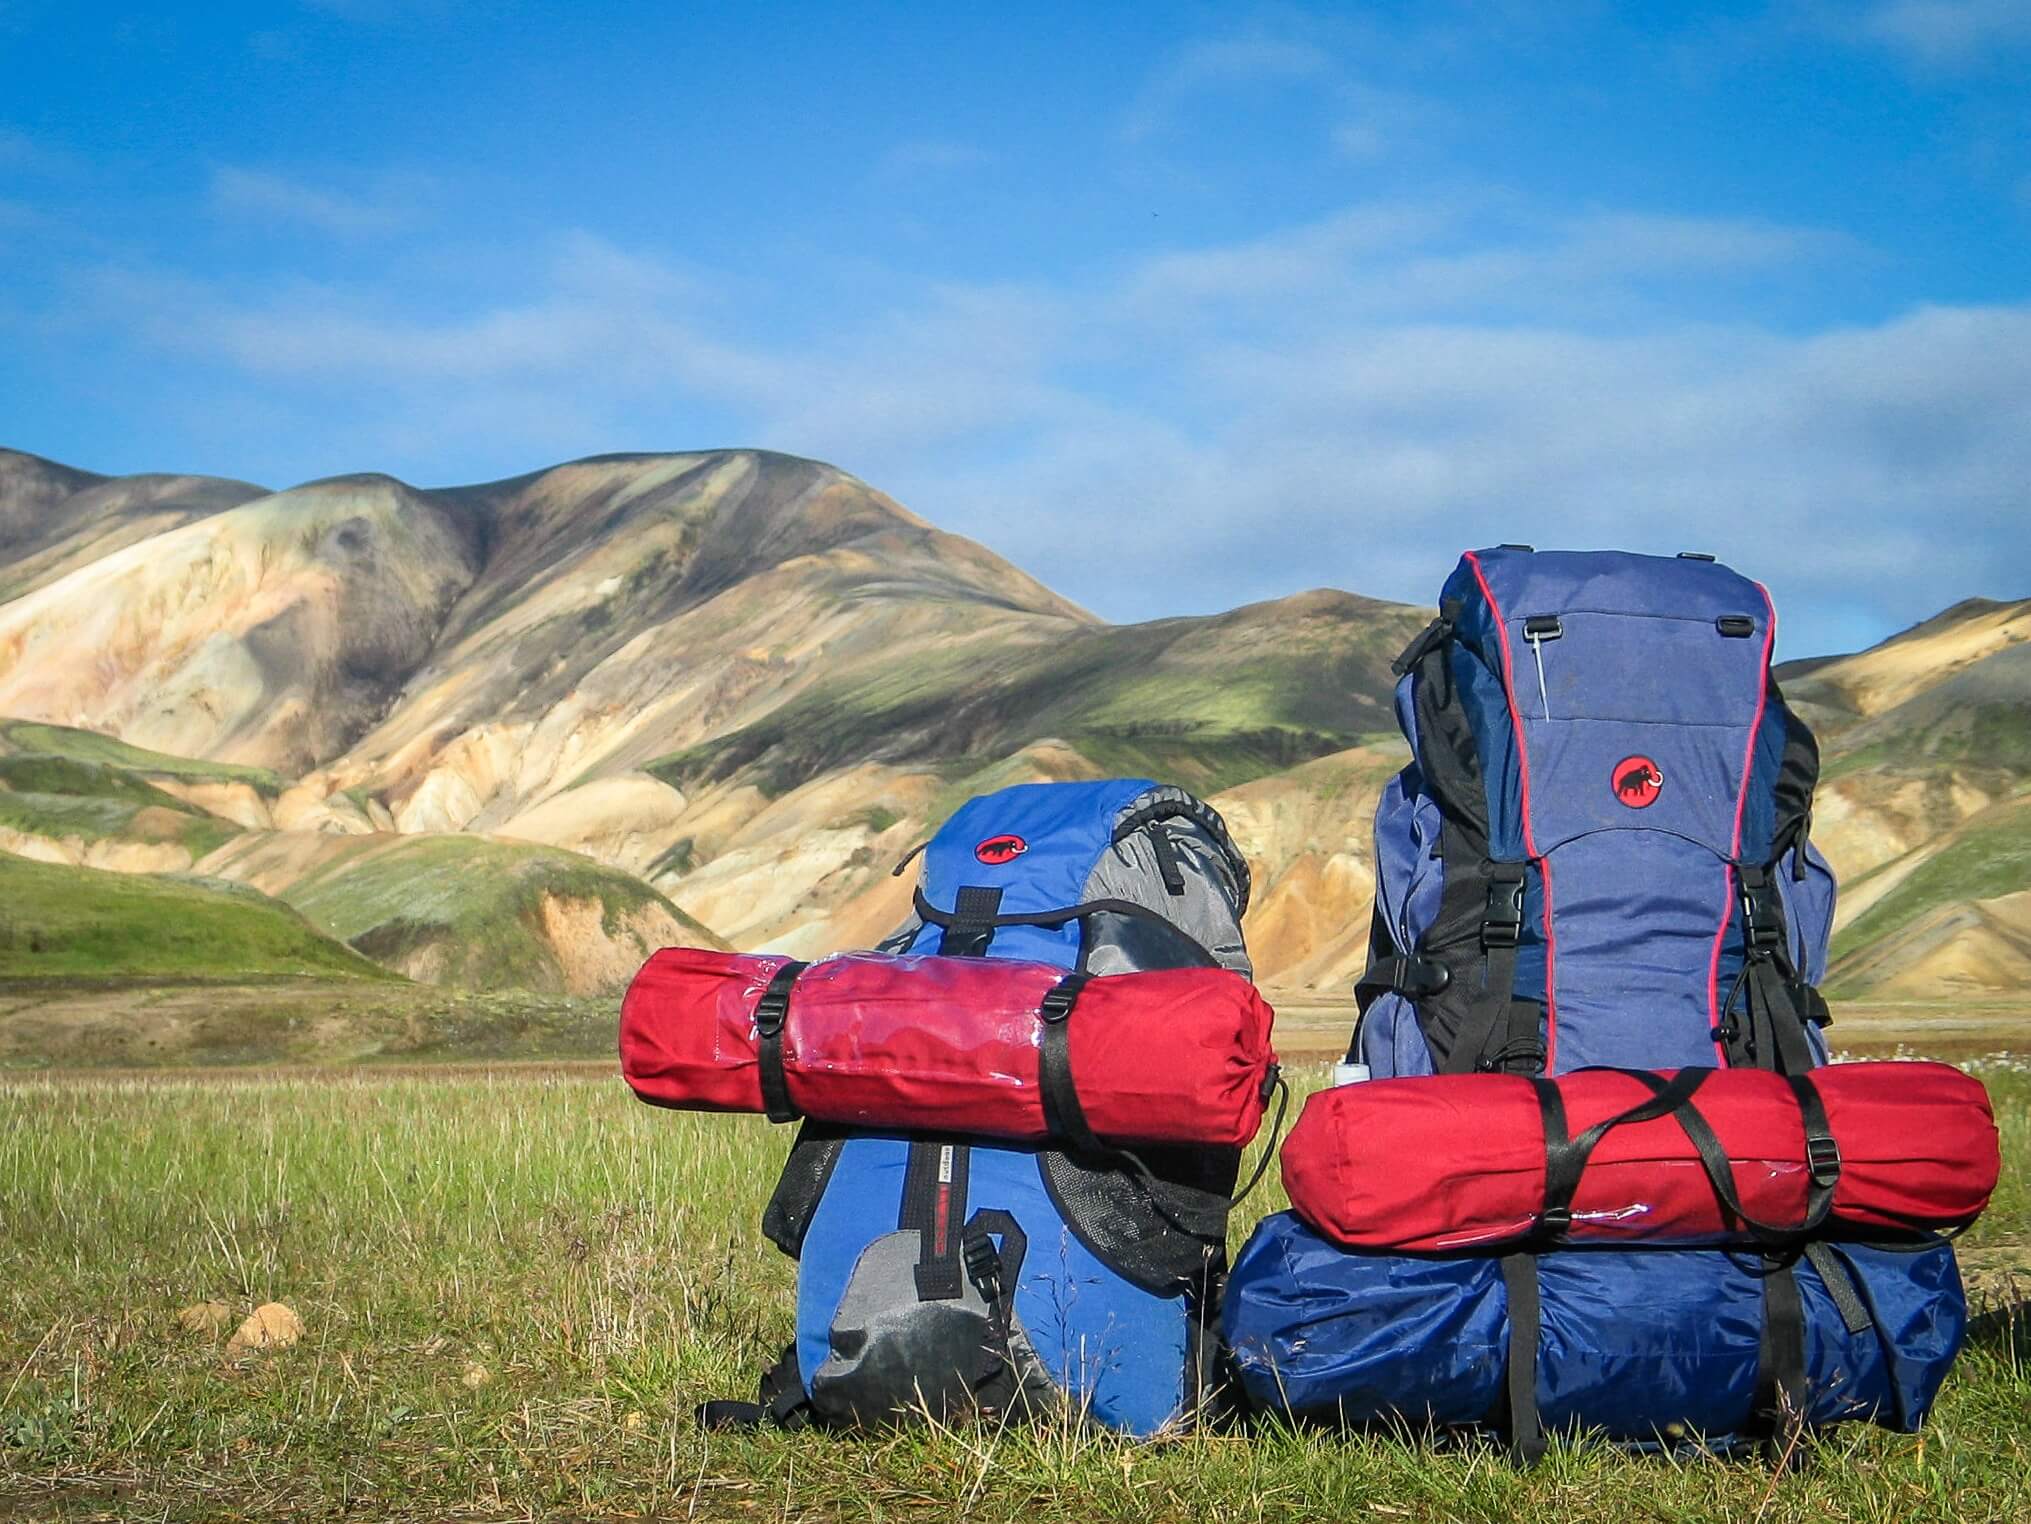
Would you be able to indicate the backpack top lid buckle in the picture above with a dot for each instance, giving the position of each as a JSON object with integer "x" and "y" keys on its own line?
{"x": 1503, "y": 924}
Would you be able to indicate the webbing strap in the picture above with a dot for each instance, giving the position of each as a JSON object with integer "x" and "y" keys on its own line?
{"x": 771, "y": 1012}
{"x": 973, "y": 920}
{"x": 1566, "y": 1157}
{"x": 1488, "y": 1011}
{"x": 1063, "y": 1114}
{"x": 934, "y": 1205}
{"x": 1525, "y": 1423}
{"x": 1781, "y": 1374}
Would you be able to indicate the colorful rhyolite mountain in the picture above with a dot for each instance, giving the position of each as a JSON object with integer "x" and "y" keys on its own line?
{"x": 520, "y": 733}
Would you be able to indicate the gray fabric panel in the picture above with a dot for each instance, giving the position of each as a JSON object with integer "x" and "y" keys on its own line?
{"x": 1209, "y": 911}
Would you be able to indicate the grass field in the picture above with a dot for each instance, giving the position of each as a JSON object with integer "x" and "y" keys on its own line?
{"x": 515, "y": 1286}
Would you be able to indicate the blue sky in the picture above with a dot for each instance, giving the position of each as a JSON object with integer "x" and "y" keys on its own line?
{"x": 1177, "y": 306}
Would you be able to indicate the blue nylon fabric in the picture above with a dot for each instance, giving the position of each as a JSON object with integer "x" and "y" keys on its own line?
{"x": 1067, "y": 826}
{"x": 1638, "y": 670}
{"x": 1808, "y": 910}
{"x": 1634, "y": 1341}
{"x": 1635, "y": 943}
{"x": 1113, "y": 1348}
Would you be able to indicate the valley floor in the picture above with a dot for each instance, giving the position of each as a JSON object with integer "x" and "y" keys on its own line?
{"x": 515, "y": 1282}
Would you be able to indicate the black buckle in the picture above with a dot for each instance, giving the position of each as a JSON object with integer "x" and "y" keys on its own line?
{"x": 1762, "y": 927}
{"x": 983, "y": 1262}
{"x": 1503, "y": 924}
{"x": 1823, "y": 1157}
{"x": 1555, "y": 1222}
{"x": 1417, "y": 977}
{"x": 771, "y": 1010}
{"x": 1058, "y": 1001}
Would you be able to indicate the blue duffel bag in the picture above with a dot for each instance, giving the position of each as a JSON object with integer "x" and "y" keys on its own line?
{"x": 1642, "y": 1345}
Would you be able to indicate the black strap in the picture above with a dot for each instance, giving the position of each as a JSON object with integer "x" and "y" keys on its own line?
{"x": 1524, "y": 1422}
{"x": 1822, "y": 1154}
{"x": 1566, "y": 1159}
{"x": 1063, "y": 1114}
{"x": 783, "y": 1401}
{"x": 934, "y": 1206}
{"x": 1781, "y": 1374}
{"x": 972, "y": 924}
{"x": 928, "y": 912}
{"x": 1412, "y": 975}
{"x": 1840, "y": 1287}
{"x": 995, "y": 1273}
{"x": 1166, "y": 852}
{"x": 1778, "y": 1011}
{"x": 771, "y": 1012}
{"x": 1501, "y": 935}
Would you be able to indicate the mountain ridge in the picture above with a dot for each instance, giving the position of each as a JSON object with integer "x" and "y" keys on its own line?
{"x": 748, "y": 682}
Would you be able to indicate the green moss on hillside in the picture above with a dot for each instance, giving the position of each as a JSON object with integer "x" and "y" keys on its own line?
{"x": 60, "y": 922}
{"x": 1992, "y": 858}
{"x": 62, "y": 741}
{"x": 471, "y": 904}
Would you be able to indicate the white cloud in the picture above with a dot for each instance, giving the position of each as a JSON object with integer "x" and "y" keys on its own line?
{"x": 1348, "y": 403}
{"x": 265, "y": 196}
{"x": 1217, "y": 65}
{"x": 1946, "y": 34}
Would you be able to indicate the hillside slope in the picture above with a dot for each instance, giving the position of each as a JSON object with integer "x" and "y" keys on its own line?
{"x": 516, "y": 732}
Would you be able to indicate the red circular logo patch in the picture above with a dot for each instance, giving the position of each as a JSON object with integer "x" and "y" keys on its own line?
{"x": 1005, "y": 848}
{"x": 1638, "y": 781}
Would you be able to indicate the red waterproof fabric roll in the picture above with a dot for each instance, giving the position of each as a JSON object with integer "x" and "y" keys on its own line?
{"x": 1459, "y": 1161}
{"x": 935, "y": 1044}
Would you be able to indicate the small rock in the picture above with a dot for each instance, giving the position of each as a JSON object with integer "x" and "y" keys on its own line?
{"x": 204, "y": 1317}
{"x": 272, "y": 1325}
{"x": 476, "y": 1376}
{"x": 634, "y": 1422}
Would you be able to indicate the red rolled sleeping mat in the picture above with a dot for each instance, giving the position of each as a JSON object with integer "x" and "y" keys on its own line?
{"x": 1715, "y": 1156}
{"x": 986, "y": 1046}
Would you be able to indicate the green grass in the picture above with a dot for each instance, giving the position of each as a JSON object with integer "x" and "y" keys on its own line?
{"x": 473, "y": 900}
{"x": 60, "y": 922}
{"x": 59, "y": 797}
{"x": 90, "y": 746}
{"x": 515, "y": 1288}
{"x": 1988, "y": 861}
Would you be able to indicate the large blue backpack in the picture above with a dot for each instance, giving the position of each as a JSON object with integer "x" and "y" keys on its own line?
{"x": 1599, "y": 852}
{"x": 1598, "y": 855}
{"x": 950, "y": 1274}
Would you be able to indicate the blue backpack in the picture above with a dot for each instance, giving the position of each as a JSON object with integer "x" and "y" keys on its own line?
{"x": 950, "y": 1274}
{"x": 1598, "y": 856}
{"x": 1599, "y": 852}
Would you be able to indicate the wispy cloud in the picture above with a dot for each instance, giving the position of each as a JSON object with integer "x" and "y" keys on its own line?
{"x": 1946, "y": 34}
{"x": 271, "y": 197}
{"x": 927, "y": 157}
{"x": 1218, "y": 65}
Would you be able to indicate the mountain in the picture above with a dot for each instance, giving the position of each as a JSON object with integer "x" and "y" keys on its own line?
{"x": 514, "y": 733}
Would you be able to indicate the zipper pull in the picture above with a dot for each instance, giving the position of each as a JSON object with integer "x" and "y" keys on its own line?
{"x": 1537, "y": 630}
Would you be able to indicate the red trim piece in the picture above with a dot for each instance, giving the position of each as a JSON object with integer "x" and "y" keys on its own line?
{"x": 1551, "y": 1027}
{"x": 1741, "y": 804}
{"x": 1509, "y": 694}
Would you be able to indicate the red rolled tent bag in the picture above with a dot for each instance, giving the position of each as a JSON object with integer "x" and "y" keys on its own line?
{"x": 1468, "y": 1161}
{"x": 994, "y": 1047}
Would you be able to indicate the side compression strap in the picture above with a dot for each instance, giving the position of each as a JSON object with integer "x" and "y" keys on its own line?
{"x": 1063, "y": 1114}
{"x": 1489, "y": 1010}
{"x": 1525, "y": 1424}
{"x": 771, "y": 1011}
{"x": 930, "y": 913}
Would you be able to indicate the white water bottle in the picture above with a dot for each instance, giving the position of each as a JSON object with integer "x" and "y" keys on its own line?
{"x": 1346, "y": 1073}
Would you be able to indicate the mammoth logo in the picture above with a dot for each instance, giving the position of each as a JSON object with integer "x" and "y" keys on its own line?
{"x": 1005, "y": 848}
{"x": 1637, "y": 781}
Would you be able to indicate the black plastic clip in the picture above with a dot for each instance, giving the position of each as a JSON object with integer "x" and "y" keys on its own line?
{"x": 1503, "y": 924}
{"x": 1823, "y": 1157}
